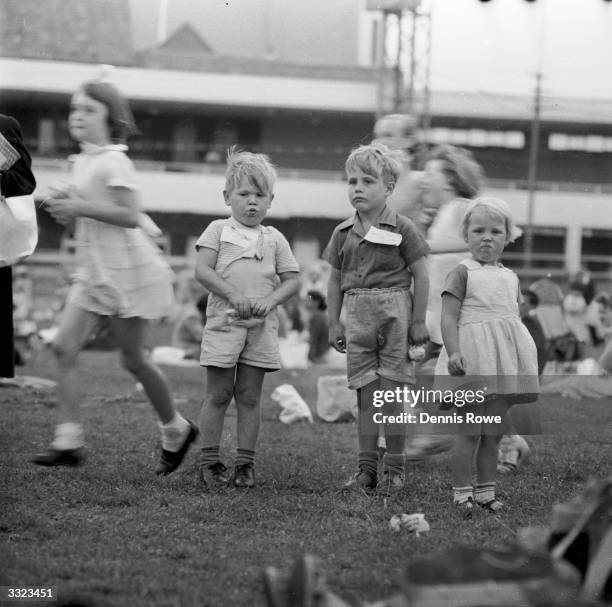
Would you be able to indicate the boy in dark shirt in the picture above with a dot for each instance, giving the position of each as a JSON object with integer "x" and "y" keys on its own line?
{"x": 375, "y": 255}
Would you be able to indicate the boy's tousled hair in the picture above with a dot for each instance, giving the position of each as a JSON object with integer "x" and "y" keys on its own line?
{"x": 460, "y": 168}
{"x": 377, "y": 160}
{"x": 494, "y": 206}
{"x": 257, "y": 168}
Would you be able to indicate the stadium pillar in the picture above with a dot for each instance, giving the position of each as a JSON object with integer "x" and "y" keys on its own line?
{"x": 532, "y": 178}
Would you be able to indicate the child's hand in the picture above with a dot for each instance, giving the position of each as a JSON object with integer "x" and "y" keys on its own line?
{"x": 63, "y": 209}
{"x": 456, "y": 365}
{"x": 337, "y": 338}
{"x": 61, "y": 189}
{"x": 418, "y": 334}
{"x": 262, "y": 307}
{"x": 241, "y": 304}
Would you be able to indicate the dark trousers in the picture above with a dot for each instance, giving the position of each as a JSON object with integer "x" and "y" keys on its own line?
{"x": 7, "y": 348}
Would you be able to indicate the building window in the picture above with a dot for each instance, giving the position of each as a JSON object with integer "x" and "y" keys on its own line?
{"x": 596, "y": 247}
{"x": 595, "y": 144}
{"x": 548, "y": 249}
{"x": 478, "y": 138}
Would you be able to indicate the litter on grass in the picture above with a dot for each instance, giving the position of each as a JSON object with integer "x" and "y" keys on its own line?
{"x": 412, "y": 522}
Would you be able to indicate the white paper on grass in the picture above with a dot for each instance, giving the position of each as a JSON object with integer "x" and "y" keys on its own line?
{"x": 293, "y": 406}
{"x": 412, "y": 522}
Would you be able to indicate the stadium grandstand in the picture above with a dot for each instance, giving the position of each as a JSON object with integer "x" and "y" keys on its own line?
{"x": 191, "y": 104}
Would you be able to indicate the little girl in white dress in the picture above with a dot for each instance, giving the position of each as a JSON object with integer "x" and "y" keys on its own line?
{"x": 486, "y": 346}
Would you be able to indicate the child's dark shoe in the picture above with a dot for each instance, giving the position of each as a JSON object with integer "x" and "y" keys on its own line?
{"x": 244, "y": 476}
{"x": 212, "y": 476}
{"x": 465, "y": 508}
{"x": 171, "y": 460}
{"x": 391, "y": 482}
{"x": 493, "y": 506}
{"x": 60, "y": 457}
{"x": 362, "y": 480}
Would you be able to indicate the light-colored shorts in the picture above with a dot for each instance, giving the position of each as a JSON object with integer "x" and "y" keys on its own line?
{"x": 377, "y": 322}
{"x": 224, "y": 344}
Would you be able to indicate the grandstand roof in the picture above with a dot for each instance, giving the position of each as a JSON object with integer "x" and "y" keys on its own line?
{"x": 521, "y": 107}
{"x": 45, "y": 47}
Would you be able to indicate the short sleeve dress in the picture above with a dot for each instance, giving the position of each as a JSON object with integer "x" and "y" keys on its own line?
{"x": 496, "y": 346}
{"x": 120, "y": 271}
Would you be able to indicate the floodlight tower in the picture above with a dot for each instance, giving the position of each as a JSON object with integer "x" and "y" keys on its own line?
{"x": 405, "y": 55}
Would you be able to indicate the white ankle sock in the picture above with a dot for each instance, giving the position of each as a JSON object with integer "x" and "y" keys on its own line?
{"x": 174, "y": 432}
{"x": 68, "y": 436}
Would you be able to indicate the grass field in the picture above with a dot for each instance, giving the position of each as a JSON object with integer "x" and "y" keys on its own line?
{"x": 112, "y": 533}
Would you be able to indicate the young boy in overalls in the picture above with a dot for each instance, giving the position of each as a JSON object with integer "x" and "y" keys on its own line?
{"x": 374, "y": 256}
{"x": 249, "y": 269}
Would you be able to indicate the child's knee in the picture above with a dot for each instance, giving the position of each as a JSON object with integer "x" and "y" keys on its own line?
{"x": 247, "y": 396}
{"x": 219, "y": 396}
{"x": 65, "y": 353}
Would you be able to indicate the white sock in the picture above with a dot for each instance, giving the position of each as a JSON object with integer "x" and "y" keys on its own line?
{"x": 174, "y": 432}
{"x": 68, "y": 436}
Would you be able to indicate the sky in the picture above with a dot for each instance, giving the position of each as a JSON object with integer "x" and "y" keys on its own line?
{"x": 495, "y": 47}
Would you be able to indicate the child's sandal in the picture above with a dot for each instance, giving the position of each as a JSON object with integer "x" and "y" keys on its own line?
{"x": 506, "y": 468}
{"x": 494, "y": 506}
{"x": 465, "y": 508}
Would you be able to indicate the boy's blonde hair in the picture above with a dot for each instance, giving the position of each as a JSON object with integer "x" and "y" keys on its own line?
{"x": 493, "y": 206}
{"x": 257, "y": 168}
{"x": 377, "y": 160}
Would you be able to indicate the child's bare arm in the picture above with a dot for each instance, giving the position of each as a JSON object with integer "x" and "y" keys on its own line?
{"x": 66, "y": 206}
{"x": 418, "y": 330}
{"x": 451, "y": 244}
{"x": 288, "y": 287}
{"x": 337, "y": 338}
{"x": 205, "y": 274}
{"x": 451, "y": 308}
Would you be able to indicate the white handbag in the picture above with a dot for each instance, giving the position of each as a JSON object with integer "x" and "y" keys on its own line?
{"x": 18, "y": 228}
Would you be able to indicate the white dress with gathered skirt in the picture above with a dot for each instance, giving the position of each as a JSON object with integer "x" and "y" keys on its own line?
{"x": 497, "y": 348}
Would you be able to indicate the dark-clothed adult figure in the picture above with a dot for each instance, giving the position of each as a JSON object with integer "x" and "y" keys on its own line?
{"x": 16, "y": 179}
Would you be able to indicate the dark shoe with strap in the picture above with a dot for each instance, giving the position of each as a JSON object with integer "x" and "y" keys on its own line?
{"x": 362, "y": 480}
{"x": 171, "y": 460}
{"x": 60, "y": 457}
{"x": 244, "y": 476}
{"x": 212, "y": 476}
{"x": 465, "y": 508}
{"x": 493, "y": 506}
{"x": 390, "y": 483}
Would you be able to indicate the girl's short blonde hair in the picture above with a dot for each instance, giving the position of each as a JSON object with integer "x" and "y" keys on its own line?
{"x": 493, "y": 206}
{"x": 377, "y": 160}
{"x": 257, "y": 168}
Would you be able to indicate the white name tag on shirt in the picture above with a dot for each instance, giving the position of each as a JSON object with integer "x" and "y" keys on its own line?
{"x": 378, "y": 236}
